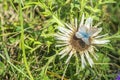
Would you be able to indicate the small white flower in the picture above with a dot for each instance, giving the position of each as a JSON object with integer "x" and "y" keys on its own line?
{"x": 80, "y": 40}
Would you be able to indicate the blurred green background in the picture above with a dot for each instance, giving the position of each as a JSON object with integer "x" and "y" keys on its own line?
{"x": 27, "y": 43}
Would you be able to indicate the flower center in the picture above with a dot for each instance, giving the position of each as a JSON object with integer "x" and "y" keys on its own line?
{"x": 78, "y": 44}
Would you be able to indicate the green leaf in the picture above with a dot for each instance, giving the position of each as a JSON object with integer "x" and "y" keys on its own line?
{"x": 2, "y": 68}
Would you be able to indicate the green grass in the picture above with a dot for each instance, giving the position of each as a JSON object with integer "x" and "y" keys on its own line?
{"x": 27, "y": 43}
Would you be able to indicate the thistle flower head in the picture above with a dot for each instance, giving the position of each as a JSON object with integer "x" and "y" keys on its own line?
{"x": 80, "y": 39}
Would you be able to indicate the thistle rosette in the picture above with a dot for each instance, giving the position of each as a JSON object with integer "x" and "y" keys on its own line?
{"x": 80, "y": 39}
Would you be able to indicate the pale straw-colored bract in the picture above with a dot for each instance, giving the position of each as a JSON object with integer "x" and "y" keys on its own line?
{"x": 80, "y": 39}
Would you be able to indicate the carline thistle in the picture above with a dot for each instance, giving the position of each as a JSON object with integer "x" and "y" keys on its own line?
{"x": 80, "y": 39}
